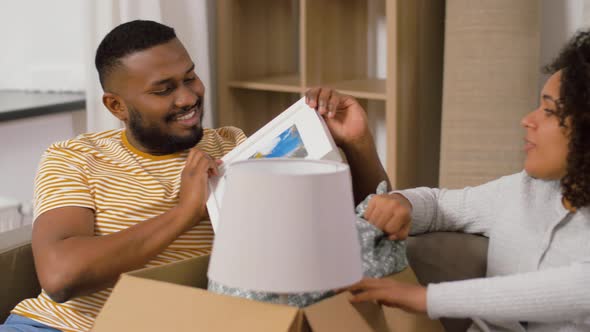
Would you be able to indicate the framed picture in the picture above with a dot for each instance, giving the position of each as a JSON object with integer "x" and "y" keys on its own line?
{"x": 298, "y": 132}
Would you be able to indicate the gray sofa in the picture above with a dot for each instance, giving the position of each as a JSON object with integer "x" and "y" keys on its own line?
{"x": 434, "y": 257}
{"x": 447, "y": 256}
{"x": 18, "y": 279}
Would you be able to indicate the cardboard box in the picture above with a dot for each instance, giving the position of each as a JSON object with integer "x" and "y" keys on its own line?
{"x": 174, "y": 298}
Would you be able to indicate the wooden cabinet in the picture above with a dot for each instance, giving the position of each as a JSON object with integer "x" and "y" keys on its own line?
{"x": 271, "y": 51}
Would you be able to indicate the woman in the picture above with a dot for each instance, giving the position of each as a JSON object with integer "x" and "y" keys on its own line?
{"x": 537, "y": 221}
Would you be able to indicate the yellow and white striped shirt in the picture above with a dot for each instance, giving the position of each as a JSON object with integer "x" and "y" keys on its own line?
{"x": 123, "y": 186}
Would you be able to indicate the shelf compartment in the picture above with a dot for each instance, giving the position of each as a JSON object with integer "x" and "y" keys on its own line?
{"x": 252, "y": 109}
{"x": 260, "y": 38}
{"x": 334, "y": 42}
{"x": 282, "y": 83}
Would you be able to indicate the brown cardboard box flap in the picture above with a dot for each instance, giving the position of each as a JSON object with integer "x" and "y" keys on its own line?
{"x": 338, "y": 314}
{"x": 173, "y": 297}
{"x": 189, "y": 272}
{"x": 138, "y": 304}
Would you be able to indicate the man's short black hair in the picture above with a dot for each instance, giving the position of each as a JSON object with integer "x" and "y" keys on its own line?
{"x": 126, "y": 39}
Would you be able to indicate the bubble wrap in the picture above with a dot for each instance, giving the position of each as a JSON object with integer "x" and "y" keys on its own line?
{"x": 380, "y": 257}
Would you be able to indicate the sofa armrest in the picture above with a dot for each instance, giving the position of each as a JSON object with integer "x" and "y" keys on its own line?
{"x": 18, "y": 279}
{"x": 448, "y": 256}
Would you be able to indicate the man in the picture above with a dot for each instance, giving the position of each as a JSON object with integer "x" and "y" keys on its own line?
{"x": 111, "y": 202}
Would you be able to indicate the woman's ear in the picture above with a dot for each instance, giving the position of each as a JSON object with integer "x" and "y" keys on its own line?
{"x": 115, "y": 105}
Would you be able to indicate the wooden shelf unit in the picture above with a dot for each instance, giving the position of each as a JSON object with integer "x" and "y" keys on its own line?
{"x": 271, "y": 51}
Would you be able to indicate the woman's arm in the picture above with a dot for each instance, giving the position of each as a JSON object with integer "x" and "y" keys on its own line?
{"x": 551, "y": 295}
{"x": 548, "y": 296}
{"x": 469, "y": 210}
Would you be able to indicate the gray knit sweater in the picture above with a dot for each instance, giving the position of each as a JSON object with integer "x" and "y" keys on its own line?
{"x": 538, "y": 275}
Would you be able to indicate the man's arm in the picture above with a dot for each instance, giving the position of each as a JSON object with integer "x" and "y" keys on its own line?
{"x": 365, "y": 167}
{"x": 71, "y": 261}
{"x": 347, "y": 121}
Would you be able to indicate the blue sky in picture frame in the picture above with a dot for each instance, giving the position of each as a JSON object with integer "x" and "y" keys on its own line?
{"x": 287, "y": 145}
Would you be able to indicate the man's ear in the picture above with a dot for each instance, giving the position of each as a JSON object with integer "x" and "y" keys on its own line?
{"x": 115, "y": 105}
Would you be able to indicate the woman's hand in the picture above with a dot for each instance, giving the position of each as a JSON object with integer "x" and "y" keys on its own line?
{"x": 391, "y": 293}
{"x": 391, "y": 213}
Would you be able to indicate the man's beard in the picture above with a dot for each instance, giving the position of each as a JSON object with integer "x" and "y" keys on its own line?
{"x": 159, "y": 142}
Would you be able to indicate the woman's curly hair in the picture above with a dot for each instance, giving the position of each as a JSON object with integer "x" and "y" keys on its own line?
{"x": 574, "y": 114}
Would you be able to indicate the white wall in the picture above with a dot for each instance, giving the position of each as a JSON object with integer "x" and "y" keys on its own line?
{"x": 42, "y": 45}
{"x": 42, "y": 50}
{"x": 23, "y": 143}
{"x": 559, "y": 21}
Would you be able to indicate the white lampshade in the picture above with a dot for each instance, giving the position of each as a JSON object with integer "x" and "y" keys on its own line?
{"x": 286, "y": 226}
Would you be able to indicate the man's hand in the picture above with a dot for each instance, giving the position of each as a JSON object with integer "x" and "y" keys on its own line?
{"x": 345, "y": 117}
{"x": 348, "y": 124}
{"x": 391, "y": 293}
{"x": 391, "y": 213}
{"x": 193, "y": 184}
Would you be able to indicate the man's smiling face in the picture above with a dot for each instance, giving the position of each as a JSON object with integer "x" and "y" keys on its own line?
{"x": 162, "y": 97}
